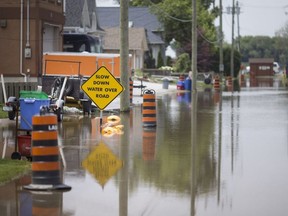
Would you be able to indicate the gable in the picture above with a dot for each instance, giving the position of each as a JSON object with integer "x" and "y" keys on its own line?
{"x": 137, "y": 39}
{"x": 81, "y": 13}
{"x": 139, "y": 17}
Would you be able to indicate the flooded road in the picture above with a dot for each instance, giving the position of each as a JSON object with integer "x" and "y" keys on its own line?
{"x": 211, "y": 153}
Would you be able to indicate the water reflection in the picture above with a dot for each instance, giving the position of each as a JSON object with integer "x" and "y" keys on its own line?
{"x": 149, "y": 144}
{"x": 17, "y": 201}
{"x": 211, "y": 153}
{"x": 7, "y": 136}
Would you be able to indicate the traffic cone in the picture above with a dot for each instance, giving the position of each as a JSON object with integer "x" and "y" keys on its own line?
{"x": 45, "y": 155}
{"x": 217, "y": 83}
{"x": 149, "y": 109}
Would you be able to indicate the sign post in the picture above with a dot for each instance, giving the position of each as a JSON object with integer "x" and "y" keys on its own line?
{"x": 102, "y": 88}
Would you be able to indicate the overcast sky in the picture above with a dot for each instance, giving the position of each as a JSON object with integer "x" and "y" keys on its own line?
{"x": 257, "y": 17}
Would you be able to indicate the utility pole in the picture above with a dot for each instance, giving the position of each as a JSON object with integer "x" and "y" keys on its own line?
{"x": 234, "y": 10}
{"x": 124, "y": 56}
{"x": 232, "y": 44}
{"x": 194, "y": 46}
{"x": 238, "y": 26}
{"x": 221, "y": 64}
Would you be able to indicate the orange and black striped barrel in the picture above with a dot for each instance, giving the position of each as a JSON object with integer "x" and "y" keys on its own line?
{"x": 216, "y": 83}
{"x": 45, "y": 153}
{"x": 229, "y": 83}
{"x": 149, "y": 143}
{"x": 149, "y": 108}
{"x": 131, "y": 89}
{"x": 44, "y": 203}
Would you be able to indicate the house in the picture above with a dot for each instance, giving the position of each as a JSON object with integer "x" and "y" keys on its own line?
{"x": 84, "y": 17}
{"x": 27, "y": 29}
{"x": 139, "y": 17}
{"x": 81, "y": 17}
{"x": 137, "y": 44}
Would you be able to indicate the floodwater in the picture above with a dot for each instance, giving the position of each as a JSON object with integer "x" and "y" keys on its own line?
{"x": 217, "y": 154}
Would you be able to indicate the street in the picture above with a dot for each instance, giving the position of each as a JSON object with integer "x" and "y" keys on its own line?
{"x": 211, "y": 153}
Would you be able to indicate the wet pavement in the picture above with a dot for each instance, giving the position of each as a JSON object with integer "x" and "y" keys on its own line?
{"x": 211, "y": 153}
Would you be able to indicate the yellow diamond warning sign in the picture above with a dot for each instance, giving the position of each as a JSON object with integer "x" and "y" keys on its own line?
{"x": 102, "y": 163}
{"x": 102, "y": 87}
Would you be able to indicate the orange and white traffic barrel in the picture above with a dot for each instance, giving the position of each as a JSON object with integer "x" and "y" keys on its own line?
{"x": 242, "y": 80}
{"x": 46, "y": 174}
{"x": 229, "y": 81}
{"x": 217, "y": 83}
{"x": 149, "y": 108}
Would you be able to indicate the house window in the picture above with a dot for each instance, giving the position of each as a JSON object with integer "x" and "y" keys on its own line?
{"x": 3, "y": 23}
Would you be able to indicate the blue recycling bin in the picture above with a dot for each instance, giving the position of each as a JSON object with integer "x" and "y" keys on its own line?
{"x": 28, "y": 108}
{"x": 188, "y": 84}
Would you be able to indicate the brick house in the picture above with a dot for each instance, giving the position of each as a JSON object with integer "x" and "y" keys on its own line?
{"x": 27, "y": 29}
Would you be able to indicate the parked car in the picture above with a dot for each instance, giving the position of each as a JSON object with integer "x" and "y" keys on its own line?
{"x": 276, "y": 67}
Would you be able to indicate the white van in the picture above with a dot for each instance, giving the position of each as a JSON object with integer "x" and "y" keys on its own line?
{"x": 276, "y": 67}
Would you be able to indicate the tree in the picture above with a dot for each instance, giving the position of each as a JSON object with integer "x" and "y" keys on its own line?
{"x": 169, "y": 61}
{"x": 143, "y": 2}
{"x": 149, "y": 61}
{"x": 176, "y": 17}
{"x": 160, "y": 62}
{"x": 266, "y": 47}
{"x": 227, "y": 61}
{"x": 283, "y": 32}
{"x": 183, "y": 63}
{"x": 281, "y": 44}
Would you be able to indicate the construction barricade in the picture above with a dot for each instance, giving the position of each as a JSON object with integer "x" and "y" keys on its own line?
{"x": 46, "y": 174}
{"x": 149, "y": 108}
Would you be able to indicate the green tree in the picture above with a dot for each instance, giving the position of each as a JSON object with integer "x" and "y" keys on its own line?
{"x": 149, "y": 61}
{"x": 160, "y": 61}
{"x": 266, "y": 47}
{"x": 176, "y": 17}
{"x": 227, "y": 61}
{"x": 143, "y": 2}
{"x": 183, "y": 63}
{"x": 283, "y": 32}
{"x": 169, "y": 61}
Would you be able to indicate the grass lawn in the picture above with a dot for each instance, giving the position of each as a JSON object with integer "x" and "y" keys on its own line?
{"x": 2, "y": 113}
{"x": 11, "y": 169}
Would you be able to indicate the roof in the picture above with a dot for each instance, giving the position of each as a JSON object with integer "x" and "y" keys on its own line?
{"x": 137, "y": 39}
{"x": 261, "y": 60}
{"x": 141, "y": 17}
{"x": 73, "y": 13}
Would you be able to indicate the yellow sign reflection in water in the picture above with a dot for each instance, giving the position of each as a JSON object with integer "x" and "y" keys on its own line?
{"x": 102, "y": 163}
